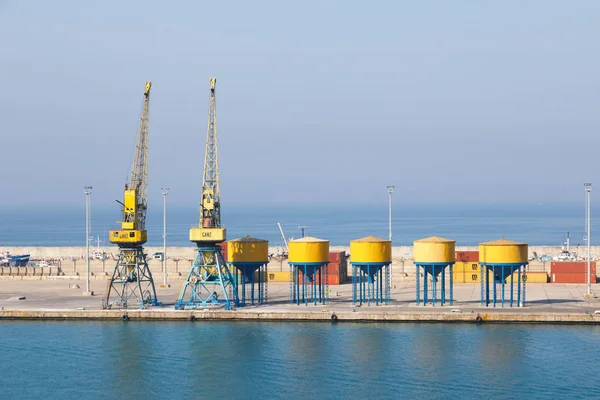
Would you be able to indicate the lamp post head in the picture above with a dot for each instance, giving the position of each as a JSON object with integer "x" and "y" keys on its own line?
{"x": 588, "y": 187}
{"x": 164, "y": 191}
{"x": 390, "y": 188}
{"x": 87, "y": 189}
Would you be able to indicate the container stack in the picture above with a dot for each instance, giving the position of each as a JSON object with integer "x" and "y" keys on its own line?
{"x": 466, "y": 267}
{"x": 337, "y": 270}
{"x": 572, "y": 272}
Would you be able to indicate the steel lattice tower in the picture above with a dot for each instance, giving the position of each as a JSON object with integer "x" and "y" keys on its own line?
{"x": 209, "y": 280}
{"x": 131, "y": 282}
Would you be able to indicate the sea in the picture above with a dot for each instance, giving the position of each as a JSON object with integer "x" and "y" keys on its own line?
{"x": 265, "y": 360}
{"x": 468, "y": 224}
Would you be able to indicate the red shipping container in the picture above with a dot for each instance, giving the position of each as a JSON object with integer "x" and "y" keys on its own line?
{"x": 337, "y": 257}
{"x": 566, "y": 277}
{"x": 574, "y": 267}
{"x": 333, "y": 268}
{"x": 223, "y": 247}
{"x": 467, "y": 256}
{"x": 331, "y": 279}
{"x": 570, "y": 277}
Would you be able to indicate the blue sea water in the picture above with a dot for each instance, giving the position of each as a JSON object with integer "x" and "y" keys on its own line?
{"x": 254, "y": 360}
{"x": 536, "y": 224}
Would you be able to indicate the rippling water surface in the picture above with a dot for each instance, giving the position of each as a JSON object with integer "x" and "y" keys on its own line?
{"x": 140, "y": 360}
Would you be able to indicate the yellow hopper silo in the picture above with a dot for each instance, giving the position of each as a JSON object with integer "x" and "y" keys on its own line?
{"x": 250, "y": 257}
{"x": 432, "y": 256}
{"x": 370, "y": 258}
{"x": 501, "y": 258}
{"x": 308, "y": 259}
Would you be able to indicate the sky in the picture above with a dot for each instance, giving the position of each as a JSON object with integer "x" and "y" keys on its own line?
{"x": 318, "y": 102}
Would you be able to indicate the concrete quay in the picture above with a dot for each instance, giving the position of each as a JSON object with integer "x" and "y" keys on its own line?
{"x": 63, "y": 299}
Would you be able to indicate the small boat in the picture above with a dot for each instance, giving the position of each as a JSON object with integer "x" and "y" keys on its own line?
{"x": 565, "y": 253}
{"x": 8, "y": 260}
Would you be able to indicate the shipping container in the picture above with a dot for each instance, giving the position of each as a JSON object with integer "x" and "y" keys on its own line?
{"x": 467, "y": 256}
{"x": 337, "y": 257}
{"x": 558, "y": 267}
{"x": 223, "y": 247}
{"x": 458, "y": 277}
{"x": 459, "y": 267}
{"x": 534, "y": 277}
{"x": 465, "y": 267}
{"x": 278, "y": 276}
{"x": 571, "y": 277}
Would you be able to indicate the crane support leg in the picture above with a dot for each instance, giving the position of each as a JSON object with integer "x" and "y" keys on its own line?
{"x": 131, "y": 284}
{"x": 209, "y": 282}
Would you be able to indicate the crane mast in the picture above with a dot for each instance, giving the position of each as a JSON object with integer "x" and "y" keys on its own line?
{"x": 138, "y": 179}
{"x": 132, "y": 282}
{"x": 135, "y": 195}
{"x": 209, "y": 229}
{"x": 211, "y": 208}
{"x": 209, "y": 281}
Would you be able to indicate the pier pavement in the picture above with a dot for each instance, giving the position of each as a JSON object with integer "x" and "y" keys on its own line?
{"x": 547, "y": 303}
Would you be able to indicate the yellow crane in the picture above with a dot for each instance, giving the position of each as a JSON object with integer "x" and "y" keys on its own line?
{"x": 131, "y": 283}
{"x": 209, "y": 280}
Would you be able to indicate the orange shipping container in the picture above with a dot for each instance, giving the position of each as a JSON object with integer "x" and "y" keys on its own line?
{"x": 223, "y": 247}
{"x": 337, "y": 257}
{"x": 571, "y": 277}
{"x": 467, "y": 256}
{"x": 331, "y": 279}
{"x": 560, "y": 267}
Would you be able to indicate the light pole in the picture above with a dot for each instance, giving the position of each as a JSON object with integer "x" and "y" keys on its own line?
{"x": 88, "y": 193}
{"x": 390, "y": 189}
{"x": 302, "y": 228}
{"x": 164, "y": 191}
{"x": 588, "y": 189}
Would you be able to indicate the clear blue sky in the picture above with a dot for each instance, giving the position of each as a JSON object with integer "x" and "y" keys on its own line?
{"x": 318, "y": 101}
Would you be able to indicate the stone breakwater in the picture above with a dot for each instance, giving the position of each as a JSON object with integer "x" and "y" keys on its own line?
{"x": 189, "y": 252}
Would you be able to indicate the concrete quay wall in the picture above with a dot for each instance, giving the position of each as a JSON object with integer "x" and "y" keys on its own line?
{"x": 328, "y": 316}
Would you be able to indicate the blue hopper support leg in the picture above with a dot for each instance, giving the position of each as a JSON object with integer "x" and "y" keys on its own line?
{"x": 418, "y": 281}
{"x": 451, "y": 284}
{"x": 512, "y": 294}
{"x": 425, "y": 287}
{"x": 524, "y": 285}
{"x": 353, "y": 284}
{"x": 494, "y": 282}
{"x": 443, "y": 299}
{"x": 519, "y": 290}
{"x": 481, "y": 282}
{"x": 502, "y": 284}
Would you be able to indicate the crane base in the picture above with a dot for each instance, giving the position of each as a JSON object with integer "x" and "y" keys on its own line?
{"x": 209, "y": 282}
{"x": 131, "y": 284}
